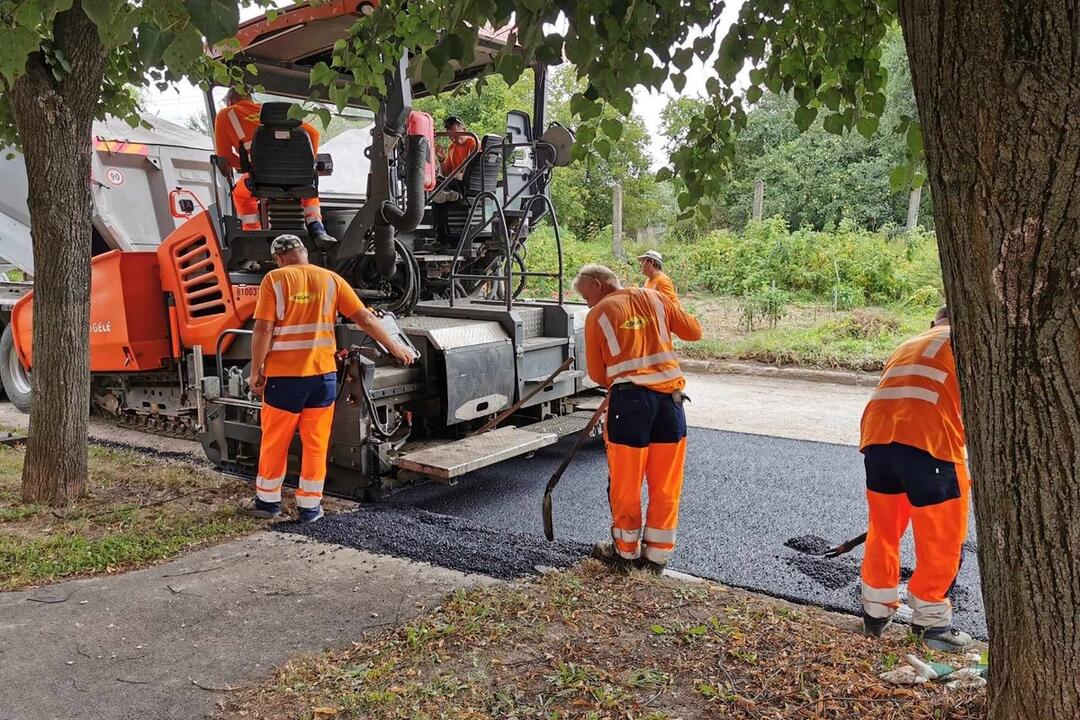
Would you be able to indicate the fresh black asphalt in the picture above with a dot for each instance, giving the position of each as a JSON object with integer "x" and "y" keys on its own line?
{"x": 743, "y": 498}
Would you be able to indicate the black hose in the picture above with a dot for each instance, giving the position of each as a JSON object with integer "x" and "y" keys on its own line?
{"x": 407, "y": 220}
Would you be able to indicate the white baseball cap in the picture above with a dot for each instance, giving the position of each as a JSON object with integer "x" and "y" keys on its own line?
{"x": 652, "y": 255}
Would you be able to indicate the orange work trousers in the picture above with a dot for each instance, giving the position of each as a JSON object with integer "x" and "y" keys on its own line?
{"x": 907, "y": 485}
{"x": 290, "y": 404}
{"x": 247, "y": 206}
{"x": 646, "y": 438}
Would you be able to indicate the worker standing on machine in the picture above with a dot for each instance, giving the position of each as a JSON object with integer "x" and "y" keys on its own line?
{"x": 656, "y": 279}
{"x": 234, "y": 128}
{"x": 914, "y": 451}
{"x": 629, "y": 349}
{"x": 451, "y": 162}
{"x": 294, "y": 369}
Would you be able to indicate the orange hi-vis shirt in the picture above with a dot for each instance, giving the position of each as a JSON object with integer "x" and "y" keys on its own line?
{"x": 456, "y": 155}
{"x": 628, "y": 338}
{"x": 662, "y": 284}
{"x": 303, "y": 302}
{"x": 917, "y": 401}
{"x": 235, "y": 126}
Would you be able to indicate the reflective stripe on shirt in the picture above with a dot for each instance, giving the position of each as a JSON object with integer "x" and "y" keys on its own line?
{"x": 609, "y": 334}
{"x": 905, "y": 393}
{"x": 638, "y": 363}
{"x": 328, "y": 301}
{"x": 279, "y": 300}
{"x": 304, "y": 344}
{"x": 925, "y": 371}
{"x": 661, "y": 317}
{"x": 933, "y": 348}
{"x": 652, "y": 378}
{"x": 308, "y": 328}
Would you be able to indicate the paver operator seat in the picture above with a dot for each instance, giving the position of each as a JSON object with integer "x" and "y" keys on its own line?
{"x": 281, "y": 162}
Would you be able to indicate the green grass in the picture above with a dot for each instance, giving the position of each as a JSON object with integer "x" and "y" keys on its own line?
{"x": 135, "y": 511}
{"x": 862, "y": 340}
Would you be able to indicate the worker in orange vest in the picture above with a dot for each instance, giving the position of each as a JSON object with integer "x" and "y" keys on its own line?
{"x": 234, "y": 128}
{"x": 914, "y": 451}
{"x": 451, "y": 164}
{"x": 656, "y": 279}
{"x": 294, "y": 370}
{"x": 629, "y": 350}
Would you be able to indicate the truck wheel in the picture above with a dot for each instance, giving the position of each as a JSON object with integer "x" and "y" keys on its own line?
{"x": 16, "y": 378}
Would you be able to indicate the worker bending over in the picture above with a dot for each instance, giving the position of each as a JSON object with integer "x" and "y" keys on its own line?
{"x": 629, "y": 350}
{"x": 655, "y": 278}
{"x": 234, "y": 128}
{"x": 914, "y": 451}
{"x": 293, "y": 368}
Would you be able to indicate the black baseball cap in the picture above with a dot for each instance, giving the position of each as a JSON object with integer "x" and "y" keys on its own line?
{"x": 453, "y": 120}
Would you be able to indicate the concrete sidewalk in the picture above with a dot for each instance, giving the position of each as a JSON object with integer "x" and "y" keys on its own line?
{"x": 163, "y": 642}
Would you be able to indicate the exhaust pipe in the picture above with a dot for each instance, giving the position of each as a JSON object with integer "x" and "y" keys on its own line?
{"x": 402, "y": 220}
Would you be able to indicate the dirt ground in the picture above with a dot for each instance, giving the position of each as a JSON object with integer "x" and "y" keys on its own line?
{"x": 586, "y": 643}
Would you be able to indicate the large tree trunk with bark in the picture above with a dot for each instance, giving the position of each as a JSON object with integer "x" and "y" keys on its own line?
{"x": 55, "y": 120}
{"x": 998, "y": 88}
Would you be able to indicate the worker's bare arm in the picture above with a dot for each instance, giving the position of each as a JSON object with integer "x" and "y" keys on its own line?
{"x": 367, "y": 322}
{"x": 260, "y": 346}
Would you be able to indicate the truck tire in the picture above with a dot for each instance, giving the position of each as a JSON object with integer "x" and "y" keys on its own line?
{"x": 15, "y": 377}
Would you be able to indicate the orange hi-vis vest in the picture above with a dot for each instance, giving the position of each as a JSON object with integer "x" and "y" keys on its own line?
{"x": 917, "y": 401}
{"x": 662, "y": 284}
{"x": 628, "y": 338}
{"x": 303, "y": 302}
{"x": 235, "y": 126}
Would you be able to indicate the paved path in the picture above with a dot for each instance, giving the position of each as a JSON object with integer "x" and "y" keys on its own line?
{"x": 132, "y": 646}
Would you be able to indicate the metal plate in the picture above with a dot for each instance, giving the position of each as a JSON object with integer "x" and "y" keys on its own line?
{"x": 454, "y": 459}
{"x": 562, "y": 425}
{"x": 532, "y": 321}
{"x": 450, "y": 333}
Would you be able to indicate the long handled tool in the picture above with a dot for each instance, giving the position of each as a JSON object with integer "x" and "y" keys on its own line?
{"x": 549, "y": 523}
{"x": 514, "y": 408}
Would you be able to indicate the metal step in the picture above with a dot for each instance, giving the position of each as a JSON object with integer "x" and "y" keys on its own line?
{"x": 562, "y": 425}
{"x": 454, "y": 459}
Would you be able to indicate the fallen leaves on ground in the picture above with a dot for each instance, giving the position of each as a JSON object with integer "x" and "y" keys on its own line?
{"x": 586, "y": 643}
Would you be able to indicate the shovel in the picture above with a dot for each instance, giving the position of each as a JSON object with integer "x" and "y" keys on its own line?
{"x": 842, "y": 548}
{"x": 549, "y": 523}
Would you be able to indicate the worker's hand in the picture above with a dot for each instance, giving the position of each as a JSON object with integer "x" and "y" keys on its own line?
{"x": 440, "y": 152}
{"x": 402, "y": 354}
{"x": 257, "y": 381}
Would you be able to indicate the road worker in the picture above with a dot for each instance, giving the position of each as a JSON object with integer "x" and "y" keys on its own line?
{"x": 294, "y": 370}
{"x": 656, "y": 279}
{"x": 914, "y": 451}
{"x": 629, "y": 350}
{"x": 234, "y": 127}
{"x": 451, "y": 165}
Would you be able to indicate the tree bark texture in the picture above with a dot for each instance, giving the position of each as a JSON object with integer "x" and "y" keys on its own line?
{"x": 997, "y": 84}
{"x": 55, "y": 121}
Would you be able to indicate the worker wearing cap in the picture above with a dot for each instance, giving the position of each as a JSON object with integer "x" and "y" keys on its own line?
{"x": 452, "y": 160}
{"x": 234, "y": 128}
{"x": 914, "y": 451}
{"x": 629, "y": 350}
{"x": 656, "y": 279}
{"x": 294, "y": 369}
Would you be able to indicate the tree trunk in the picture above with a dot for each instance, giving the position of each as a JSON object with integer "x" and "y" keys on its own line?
{"x": 997, "y": 84}
{"x": 55, "y": 121}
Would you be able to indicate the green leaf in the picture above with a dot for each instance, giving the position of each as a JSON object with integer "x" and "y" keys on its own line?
{"x": 683, "y": 59}
{"x": 678, "y": 81}
{"x": 867, "y": 126}
{"x": 753, "y": 94}
{"x": 153, "y": 43}
{"x": 833, "y": 124}
{"x": 900, "y": 177}
{"x": 664, "y": 174}
{"x": 184, "y": 52}
{"x": 875, "y": 103}
{"x": 830, "y": 98}
{"x": 804, "y": 118}
{"x": 658, "y": 630}
{"x": 918, "y": 180}
{"x": 215, "y": 19}
{"x": 855, "y": 66}
{"x": 603, "y": 148}
{"x": 429, "y": 74}
{"x": 914, "y": 139}
{"x": 612, "y": 127}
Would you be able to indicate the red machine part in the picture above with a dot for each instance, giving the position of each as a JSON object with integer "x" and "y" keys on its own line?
{"x": 129, "y": 324}
{"x": 421, "y": 123}
{"x": 193, "y": 270}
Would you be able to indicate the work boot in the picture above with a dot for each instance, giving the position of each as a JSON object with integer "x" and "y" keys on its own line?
{"x": 256, "y": 508}
{"x": 946, "y": 639}
{"x": 309, "y": 515}
{"x": 606, "y": 553}
{"x": 317, "y": 232}
{"x": 875, "y": 627}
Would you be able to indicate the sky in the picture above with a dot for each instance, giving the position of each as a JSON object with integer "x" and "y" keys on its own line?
{"x": 184, "y": 100}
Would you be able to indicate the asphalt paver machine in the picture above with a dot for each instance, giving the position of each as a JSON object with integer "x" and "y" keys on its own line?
{"x": 178, "y": 320}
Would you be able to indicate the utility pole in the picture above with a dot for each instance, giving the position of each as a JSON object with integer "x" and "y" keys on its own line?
{"x": 616, "y": 222}
{"x": 914, "y": 199}
{"x": 759, "y": 199}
